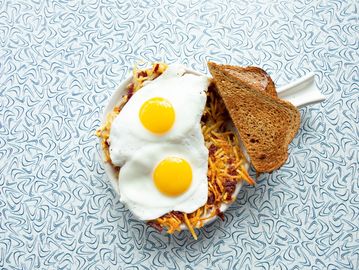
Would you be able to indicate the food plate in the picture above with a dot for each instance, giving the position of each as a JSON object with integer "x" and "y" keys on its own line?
{"x": 113, "y": 173}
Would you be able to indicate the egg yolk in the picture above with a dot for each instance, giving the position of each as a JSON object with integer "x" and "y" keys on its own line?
{"x": 157, "y": 115}
{"x": 173, "y": 176}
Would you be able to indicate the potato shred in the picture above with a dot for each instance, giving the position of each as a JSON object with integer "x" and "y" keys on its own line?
{"x": 226, "y": 163}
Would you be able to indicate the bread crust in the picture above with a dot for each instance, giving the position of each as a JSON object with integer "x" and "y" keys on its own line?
{"x": 266, "y": 124}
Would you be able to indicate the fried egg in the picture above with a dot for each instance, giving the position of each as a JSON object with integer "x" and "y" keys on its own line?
{"x": 166, "y": 109}
{"x": 162, "y": 177}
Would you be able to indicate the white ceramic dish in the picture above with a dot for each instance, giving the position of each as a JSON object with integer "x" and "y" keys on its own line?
{"x": 301, "y": 92}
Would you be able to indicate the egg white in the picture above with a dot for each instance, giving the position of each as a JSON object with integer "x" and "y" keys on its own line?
{"x": 138, "y": 191}
{"x": 187, "y": 94}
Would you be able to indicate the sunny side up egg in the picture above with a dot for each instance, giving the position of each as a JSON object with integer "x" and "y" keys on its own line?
{"x": 165, "y": 109}
{"x": 157, "y": 141}
{"x": 165, "y": 177}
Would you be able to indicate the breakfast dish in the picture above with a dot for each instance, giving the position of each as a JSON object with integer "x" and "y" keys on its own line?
{"x": 266, "y": 124}
{"x": 193, "y": 139}
{"x": 173, "y": 144}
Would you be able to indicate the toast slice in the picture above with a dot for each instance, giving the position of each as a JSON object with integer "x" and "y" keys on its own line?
{"x": 266, "y": 124}
{"x": 256, "y": 78}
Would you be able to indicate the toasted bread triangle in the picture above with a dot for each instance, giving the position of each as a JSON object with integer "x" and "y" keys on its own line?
{"x": 266, "y": 124}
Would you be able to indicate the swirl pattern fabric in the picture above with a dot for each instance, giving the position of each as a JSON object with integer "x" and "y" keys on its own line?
{"x": 61, "y": 60}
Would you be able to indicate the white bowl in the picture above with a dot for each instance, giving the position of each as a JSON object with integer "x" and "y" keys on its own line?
{"x": 112, "y": 173}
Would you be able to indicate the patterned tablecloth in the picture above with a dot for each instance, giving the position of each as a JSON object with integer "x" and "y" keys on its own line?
{"x": 61, "y": 60}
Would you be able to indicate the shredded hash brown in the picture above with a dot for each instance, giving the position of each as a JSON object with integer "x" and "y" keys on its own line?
{"x": 225, "y": 162}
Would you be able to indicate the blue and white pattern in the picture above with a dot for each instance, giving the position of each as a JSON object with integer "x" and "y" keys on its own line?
{"x": 61, "y": 60}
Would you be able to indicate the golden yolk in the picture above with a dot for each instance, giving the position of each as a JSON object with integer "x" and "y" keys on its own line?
{"x": 173, "y": 176}
{"x": 157, "y": 115}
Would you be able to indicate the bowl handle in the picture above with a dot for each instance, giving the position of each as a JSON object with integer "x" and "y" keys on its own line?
{"x": 301, "y": 92}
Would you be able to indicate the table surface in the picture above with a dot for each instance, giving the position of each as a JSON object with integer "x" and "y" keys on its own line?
{"x": 60, "y": 62}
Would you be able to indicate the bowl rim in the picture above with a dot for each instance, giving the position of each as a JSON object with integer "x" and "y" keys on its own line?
{"x": 112, "y": 173}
